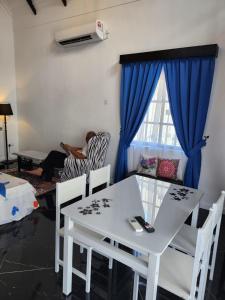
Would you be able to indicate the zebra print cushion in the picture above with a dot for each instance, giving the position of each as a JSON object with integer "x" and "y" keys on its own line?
{"x": 96, "y": 153}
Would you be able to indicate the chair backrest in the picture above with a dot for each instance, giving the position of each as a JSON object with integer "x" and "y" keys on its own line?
{"x": 99, "y": 177}
{"x": 218, "y": 207}
{"x": 205, "y": 234}
{"x": 204, "y": 238}
{"x": 97, "y": 150}
{"x": 96, "y": 154}
{"x": 68, "y": 190}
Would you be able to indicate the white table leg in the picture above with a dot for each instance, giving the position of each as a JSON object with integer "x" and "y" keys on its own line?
{"x": 152, "y": 277}
{"x": 110, "y": 259}
{"x": 67, "y": 258}
{"x": 194, "y": 219}
{"x": 135, "y": 286}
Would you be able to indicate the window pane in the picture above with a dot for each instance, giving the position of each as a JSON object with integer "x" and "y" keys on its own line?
{"x": 148, "y": 133}
{"x": 169, "y": 136}
{"x": 156, "y": 96}
{"x": 154, "y": 112}
{"x": 152, "y": 133}
{"x": 157, "y": 127}
{"x": 161, "y": 89}
{"x": 167, "y": 118}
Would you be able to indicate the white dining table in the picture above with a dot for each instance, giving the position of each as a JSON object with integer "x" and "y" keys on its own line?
{"x": 165, "y": 206}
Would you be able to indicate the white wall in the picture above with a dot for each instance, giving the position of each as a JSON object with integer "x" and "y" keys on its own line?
{"x": 62, "y": 92}
{"x": 7, "y": 79}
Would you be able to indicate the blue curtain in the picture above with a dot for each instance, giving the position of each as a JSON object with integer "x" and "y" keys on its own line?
{"x": 189, "y": 83}
{"x": 138, "y": 84}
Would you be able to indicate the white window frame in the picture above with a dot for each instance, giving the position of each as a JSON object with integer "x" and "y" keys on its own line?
{"x": 161, "y": 99}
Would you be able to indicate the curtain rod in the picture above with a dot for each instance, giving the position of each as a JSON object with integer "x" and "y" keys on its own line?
{"x": 197, "y": 51}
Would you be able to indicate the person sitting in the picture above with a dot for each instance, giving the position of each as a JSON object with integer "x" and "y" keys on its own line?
{"x": 55, "y": 159}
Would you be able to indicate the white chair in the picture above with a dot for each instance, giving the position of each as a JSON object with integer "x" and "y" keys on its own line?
{"x": 186, "y": 238}
{"x": 97, "y": 178}
{"x": 66, "y": 191}
{"x": 179, "y": 272}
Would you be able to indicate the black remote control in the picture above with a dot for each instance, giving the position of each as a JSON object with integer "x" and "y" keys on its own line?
{"x": 144, "y": 224}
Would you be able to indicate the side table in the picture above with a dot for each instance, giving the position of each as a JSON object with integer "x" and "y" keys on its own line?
{"x": 5, "y": 165}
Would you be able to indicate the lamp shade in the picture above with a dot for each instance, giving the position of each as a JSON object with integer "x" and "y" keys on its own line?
{"x": 5, "y": 109}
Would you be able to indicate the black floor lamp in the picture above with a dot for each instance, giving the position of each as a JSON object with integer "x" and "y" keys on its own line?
{"x": 6, "y": 110}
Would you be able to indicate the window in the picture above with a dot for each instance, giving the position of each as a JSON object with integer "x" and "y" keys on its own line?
{"x": 157, "y": 127}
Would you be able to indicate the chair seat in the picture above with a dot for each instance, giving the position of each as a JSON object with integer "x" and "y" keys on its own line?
{"x": 175, "y": 273}
{"x": 82, "y": 230}
{"x": 186, "y": 239}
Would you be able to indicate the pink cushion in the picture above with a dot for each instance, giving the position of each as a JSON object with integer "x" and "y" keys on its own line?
{"x": 167, "y": 168}
{"x": 147, "y": 165}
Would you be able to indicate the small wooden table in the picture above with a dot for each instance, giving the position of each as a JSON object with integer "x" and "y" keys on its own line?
{"x": 35, "y": 157}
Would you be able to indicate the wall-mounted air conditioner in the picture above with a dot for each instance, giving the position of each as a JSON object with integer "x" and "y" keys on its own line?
{"x": 88, "y": 33}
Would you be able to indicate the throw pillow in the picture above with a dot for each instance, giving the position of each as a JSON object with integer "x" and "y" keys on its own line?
{"x": 167, "y": 168}
{"x": 148, "y": 165}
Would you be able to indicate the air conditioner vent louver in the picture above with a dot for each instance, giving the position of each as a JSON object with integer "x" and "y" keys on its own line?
{"x": 76, "y": 40}
{"x": 88, "y": 33}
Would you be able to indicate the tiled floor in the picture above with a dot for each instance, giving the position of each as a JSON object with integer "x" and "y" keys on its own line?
{"x": 27, "y": 265}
